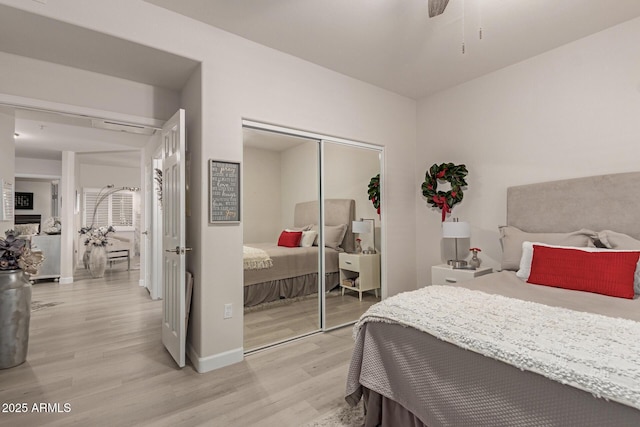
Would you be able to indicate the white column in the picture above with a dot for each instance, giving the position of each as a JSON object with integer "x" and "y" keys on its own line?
{"x": 67, "y": 216}
{"x": 7, "y": 158}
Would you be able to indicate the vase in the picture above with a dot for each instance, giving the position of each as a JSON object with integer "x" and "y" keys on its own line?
{"x": 15, "y": 315}
{"x": 97, "y": 261}
{"x": 475, "y": 262}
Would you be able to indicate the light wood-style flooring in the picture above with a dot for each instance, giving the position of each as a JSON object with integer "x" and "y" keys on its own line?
{"x": 285, "y": 320}
{"x": 99, "y": 351}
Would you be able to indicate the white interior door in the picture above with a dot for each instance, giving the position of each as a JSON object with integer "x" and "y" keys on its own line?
{"x": 156, "y": 232}
{"x": 173, "y": 237}
{"x": 146, "y": 234}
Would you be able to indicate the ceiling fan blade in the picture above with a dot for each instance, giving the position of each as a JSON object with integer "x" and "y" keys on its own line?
{"x": 436, "y": 7}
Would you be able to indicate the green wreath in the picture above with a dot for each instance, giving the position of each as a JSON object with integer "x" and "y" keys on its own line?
{"x": 374, "y": 192}
{"x": 455, "y": 175}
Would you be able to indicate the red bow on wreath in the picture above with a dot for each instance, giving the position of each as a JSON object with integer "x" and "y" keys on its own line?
{"x": 441, "y": 202}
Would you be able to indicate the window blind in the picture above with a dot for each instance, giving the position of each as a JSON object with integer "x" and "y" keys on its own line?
{"x": 116, "y": 209}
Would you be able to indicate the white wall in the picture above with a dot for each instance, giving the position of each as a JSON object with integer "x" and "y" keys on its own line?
{"x": 36, "y": 79}
{"x": 8, "y": 149}
{"x": 299, "y": 179}
{"x": 41, "y": 196}
{"x": 97, "y": 176}
{"x": 241, "y": 79}
{"x": 292, "y": 177}
{"x": 38, "y": 167}
{"x": 261, "y": 195}
{"x": 570, "y": 112}
{"x": 347, "y": 176}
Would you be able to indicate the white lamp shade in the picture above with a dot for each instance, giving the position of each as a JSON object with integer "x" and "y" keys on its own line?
{"x": 365, "y": 226}
{"x": 456, "y": 230}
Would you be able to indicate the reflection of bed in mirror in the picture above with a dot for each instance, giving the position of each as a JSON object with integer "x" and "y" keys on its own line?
{"x": 293, "y": 271}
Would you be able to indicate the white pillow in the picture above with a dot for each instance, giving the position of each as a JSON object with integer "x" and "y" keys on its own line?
{"x": 308, "y": 237}
{"x": 305, "y": 228}
{"x": 333, "y": 235}
{"x": 527, "y": 257}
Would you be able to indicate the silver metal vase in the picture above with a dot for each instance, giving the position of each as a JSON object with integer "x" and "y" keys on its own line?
{"x": 15, "y": 315}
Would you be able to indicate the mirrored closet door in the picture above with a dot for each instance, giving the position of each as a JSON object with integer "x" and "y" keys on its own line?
{"x": 311, "y": 227}
{"x": 281, "y": 213}
{"x": 352, "y": 262}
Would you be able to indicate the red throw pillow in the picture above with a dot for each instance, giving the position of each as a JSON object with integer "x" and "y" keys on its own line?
{"x": 290, "y": 239}
{"x": 607, "y": 273}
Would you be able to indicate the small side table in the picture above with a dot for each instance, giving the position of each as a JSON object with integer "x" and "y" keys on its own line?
{"x": 366, "y": 267}
{"x": 446, "y": 275}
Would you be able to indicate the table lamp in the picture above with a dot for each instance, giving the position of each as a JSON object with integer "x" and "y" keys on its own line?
{"x": 366, "y": 226}
{"x": 456, "y": 230}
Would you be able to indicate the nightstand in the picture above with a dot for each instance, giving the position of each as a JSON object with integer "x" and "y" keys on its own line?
{"x": 445, "y": 274}
{"x": 366, "y": 267}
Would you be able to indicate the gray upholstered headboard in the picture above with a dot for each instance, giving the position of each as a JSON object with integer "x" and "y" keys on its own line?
{"x": 336, "y": 212}
{"x": 605, "y": 202}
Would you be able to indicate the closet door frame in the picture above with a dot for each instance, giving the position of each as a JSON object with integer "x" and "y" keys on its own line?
{"x": 322, "y": 138}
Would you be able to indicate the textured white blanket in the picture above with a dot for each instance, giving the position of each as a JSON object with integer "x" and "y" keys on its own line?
{"x": 594, "y": 353}
{"x": 255, "y": 259}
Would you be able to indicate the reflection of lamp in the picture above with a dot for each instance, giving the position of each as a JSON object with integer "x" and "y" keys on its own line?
{"x": 365, "y": 227}
{"x": 456, "y": 230}
{"x": 105, "y": 192}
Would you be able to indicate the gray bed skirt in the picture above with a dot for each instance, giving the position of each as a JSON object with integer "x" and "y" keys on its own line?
{"x": 292, "y": 287}
{"x": 382, "y": 411}
{"x": 441, "y": 384}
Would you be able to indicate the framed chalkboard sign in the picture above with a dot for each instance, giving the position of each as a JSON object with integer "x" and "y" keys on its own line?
{"x": 224, "y": 192}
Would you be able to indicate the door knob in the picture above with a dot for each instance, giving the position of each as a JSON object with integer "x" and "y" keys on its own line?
{"x": 179, "y": 250}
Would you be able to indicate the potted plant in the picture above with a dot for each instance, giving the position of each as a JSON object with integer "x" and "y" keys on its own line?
{"x": 16, "y": 260}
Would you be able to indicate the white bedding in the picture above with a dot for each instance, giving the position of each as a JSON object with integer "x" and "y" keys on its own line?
{"x": 592, "y": 352}
{"x": 255, "y": 259}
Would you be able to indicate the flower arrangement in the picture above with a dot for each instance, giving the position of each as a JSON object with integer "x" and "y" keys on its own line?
{"x": 475, "y": 261}
{"x": 16, "y": 255}
{"x": 358, "y": 245}
{"x": 96, "y": 236}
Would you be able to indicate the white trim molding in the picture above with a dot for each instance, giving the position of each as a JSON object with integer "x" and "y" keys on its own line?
{"x": 66, "y": 280}
{"x": 217, "y": 361}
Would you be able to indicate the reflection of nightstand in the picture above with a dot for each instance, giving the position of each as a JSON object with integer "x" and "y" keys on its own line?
{"x": 444, "y": 274}
{"x": 364, "y": 267}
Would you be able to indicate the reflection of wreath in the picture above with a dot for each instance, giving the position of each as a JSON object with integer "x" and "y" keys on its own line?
{"x": 374, "y": 192}
{"x": 455, "y": 175}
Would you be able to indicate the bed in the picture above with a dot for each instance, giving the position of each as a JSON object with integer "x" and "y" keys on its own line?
{"x": 292, "y": 272}
{"x": 448, "y": 362}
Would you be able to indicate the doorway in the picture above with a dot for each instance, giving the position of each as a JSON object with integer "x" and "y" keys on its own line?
{"x": 100, "y": 157}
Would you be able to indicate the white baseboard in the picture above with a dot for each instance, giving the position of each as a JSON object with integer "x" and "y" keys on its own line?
{"x": 66, "y": 280}
{"x": 141, "y": 283}
{"x": 217, "y": 361}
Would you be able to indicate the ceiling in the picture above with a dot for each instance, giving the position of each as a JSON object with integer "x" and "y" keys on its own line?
{"x": 44, "y": 135}
{"x": 34, "y": 36}
{"x": 393, "y": 44}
